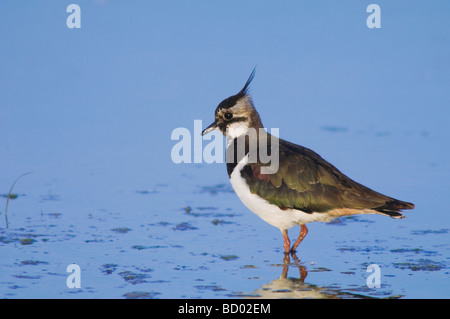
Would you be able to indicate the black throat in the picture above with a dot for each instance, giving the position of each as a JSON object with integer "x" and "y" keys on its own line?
{"x": 232, "y": 159}
{"x": 242, "y": 146}
{"x": 235, "y": 151}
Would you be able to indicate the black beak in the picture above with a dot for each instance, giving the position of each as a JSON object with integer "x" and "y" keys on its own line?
{"x": 210, "y": 128}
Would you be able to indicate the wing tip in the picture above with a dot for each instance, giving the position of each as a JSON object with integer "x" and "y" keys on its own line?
{"x": 393, "y": 208}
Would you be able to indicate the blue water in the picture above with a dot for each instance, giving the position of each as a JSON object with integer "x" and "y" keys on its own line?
{"x": 89, "y": 113}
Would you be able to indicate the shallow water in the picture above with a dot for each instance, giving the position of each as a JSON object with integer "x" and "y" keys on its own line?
{"x": 90, "y": 112}
{"x": 207, "y": 245}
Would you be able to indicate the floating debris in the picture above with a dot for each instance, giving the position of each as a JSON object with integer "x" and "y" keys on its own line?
{"x": 421, "y": 265}
{"x": 121, "y": 230}
{"x": 249, "y": 267}
{"x": 229, "y": 257}
{"x": 141, "y": 247}
{"x": 320, "y": 269}
{"x": 429, "y": 231}
{"x": 108, "y": 268}
{"x": 27, "y": 241}
{"x": 141, "y": 295}
{"x": 210, "y": 287}
{"x": 216, "y": 221}
{"x": 134, "y": 278}
{"x": 33, "y": 262}
{"x": 184, "y": 226}
{"x": 10, "y": 196}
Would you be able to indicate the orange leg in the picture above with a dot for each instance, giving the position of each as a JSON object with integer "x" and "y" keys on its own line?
{"x": 303, "y": 232}
{"x": 287, "y": 242}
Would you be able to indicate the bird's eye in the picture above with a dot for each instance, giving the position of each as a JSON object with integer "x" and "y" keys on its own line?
{"x": 228, "y": 116}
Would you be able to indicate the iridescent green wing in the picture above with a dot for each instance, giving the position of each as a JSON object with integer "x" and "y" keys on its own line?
{"x": 307, "y": 182}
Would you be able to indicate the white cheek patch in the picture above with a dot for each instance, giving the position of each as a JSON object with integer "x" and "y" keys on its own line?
{"x": 235, "y": 130}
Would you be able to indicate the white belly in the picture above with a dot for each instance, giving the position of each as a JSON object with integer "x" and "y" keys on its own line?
{"x": 273, "y": 215}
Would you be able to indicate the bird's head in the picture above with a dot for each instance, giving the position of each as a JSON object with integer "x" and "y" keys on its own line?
{"x": 236, "y": 114}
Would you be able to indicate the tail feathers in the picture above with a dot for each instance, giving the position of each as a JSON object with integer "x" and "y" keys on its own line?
{"x": 393, "y": 208}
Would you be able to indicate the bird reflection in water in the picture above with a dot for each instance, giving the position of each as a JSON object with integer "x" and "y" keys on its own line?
{"x": 292, "y": 287}
{"x": 296, "y": 288}
{"x": 287, "y": 263}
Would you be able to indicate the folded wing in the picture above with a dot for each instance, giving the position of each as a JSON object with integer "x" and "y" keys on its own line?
{"x": 305, "y": 181}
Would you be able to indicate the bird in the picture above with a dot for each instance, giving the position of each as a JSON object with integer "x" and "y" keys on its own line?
{"x": 304, "y": 188}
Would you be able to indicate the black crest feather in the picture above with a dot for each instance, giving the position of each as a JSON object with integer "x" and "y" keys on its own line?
{"x": 247, "y": 84}
{"x": 229, "y": 102}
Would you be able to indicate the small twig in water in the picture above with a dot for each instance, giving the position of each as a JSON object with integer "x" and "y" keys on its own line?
{"x": 10, "y": 195}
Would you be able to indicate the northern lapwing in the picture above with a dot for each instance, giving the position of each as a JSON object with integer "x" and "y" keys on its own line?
{"x": 305, "y": 188}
